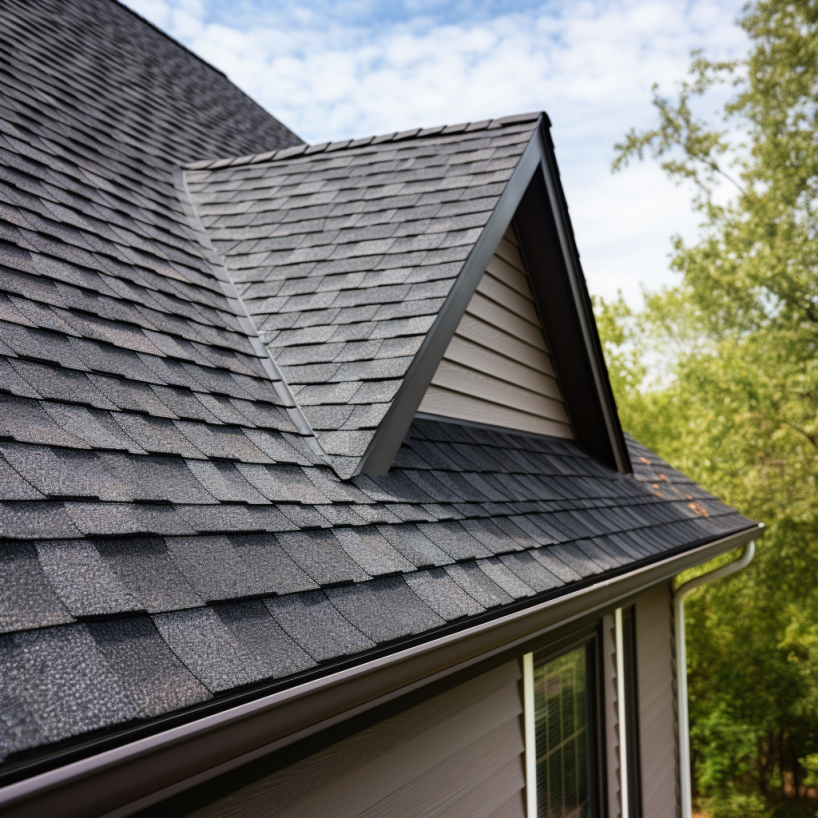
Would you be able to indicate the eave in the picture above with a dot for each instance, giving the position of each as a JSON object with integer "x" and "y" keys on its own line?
{"x": 126, "y": 779}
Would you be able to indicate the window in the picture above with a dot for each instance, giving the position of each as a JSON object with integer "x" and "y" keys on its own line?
{"x": 560, "y": 694}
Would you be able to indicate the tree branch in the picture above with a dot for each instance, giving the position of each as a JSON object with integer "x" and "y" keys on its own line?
{"x": 811, "y": 438}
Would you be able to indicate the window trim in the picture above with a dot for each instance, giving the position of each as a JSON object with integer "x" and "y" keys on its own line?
{"x": 632, "y": 733}
{"x": 596, "y": 784}
{"x": 623, "y": 757}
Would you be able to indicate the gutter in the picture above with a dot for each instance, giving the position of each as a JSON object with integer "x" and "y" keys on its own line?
{"x": 123, "y": 780}
{"x": 681, "y": 665}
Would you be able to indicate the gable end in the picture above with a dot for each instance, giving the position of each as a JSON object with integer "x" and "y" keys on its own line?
{"x": 533, "y": 197}
{"x": 497, "y": 369}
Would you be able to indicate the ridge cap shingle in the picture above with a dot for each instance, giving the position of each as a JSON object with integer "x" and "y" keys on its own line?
{"x": 398, "y": 136}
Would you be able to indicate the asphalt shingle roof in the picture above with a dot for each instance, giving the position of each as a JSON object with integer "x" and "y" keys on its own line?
{"x": 345, "y": 253}
{"x": 397, "y": 564}
{"x": 169, "y": 531}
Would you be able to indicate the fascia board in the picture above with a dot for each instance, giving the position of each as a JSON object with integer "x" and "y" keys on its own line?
{"x": 124, "y": 780}
{"x": 582, "y": 303}
{"x": 386, "y": 441}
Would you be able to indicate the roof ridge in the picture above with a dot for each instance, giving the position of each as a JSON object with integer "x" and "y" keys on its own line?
{"x": 196, "y": 56}
{"x": 167, "y": 36}
{"x": 396, "y": 136}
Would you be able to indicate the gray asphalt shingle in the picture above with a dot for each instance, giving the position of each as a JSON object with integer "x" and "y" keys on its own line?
{"x": 156, "y": 473}
{"x": 151, "y": 675}
{"x": 28, "y": 600}
{"x": 384, "y": 609}
{"x": 312, "y": 621}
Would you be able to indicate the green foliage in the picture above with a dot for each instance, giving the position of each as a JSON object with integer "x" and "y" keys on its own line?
{"x": 720, "y": 376}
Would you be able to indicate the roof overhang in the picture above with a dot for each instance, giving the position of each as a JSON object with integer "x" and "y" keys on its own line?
{"x": 129, "y": 778}
{"x": 534, "y": 195}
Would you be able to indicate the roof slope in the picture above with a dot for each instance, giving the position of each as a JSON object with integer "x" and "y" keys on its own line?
{"x": 168, "y": 536}
{"x": 469, "y": 521}
{"x": 345, "y": 254}
{"x": 115, "y": 332}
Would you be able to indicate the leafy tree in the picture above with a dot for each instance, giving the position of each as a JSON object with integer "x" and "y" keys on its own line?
{"x": 733, "y": 398}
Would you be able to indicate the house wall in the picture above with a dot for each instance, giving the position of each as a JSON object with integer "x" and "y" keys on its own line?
{"x": 461, "y": 754}
{"x": 497, "y": 368}
{"x": 657, "y": 708}
{"x": 458, "y": 755}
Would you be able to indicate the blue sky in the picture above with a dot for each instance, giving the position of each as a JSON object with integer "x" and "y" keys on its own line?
{"x": 332, "y": 70}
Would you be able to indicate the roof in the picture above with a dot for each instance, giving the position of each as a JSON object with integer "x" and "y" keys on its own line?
{"x": 345, "y": 254}
{"x": 171, "y": 529}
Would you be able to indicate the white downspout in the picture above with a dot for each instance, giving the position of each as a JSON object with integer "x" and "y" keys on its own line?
{"x": 681, "y": 666}
{"x": 619, "y": 637}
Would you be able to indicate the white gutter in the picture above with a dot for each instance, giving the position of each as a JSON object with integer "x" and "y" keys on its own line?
{"x": 681, "y": 665}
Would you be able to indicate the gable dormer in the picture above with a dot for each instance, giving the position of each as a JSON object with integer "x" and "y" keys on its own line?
{"x": 429, "y": 271}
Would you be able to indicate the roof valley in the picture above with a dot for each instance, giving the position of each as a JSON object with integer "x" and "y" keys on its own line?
{"x": 234, "y": 300}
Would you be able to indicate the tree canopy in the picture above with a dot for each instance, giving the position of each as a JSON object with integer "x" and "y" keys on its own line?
{"x": 719, "y": 375}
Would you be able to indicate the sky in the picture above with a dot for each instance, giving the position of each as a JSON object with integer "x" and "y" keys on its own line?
{"x": 351, "y": 68}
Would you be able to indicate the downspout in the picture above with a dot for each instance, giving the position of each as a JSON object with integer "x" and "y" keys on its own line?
{"x": 681, "y": 665}
{"x": 619, "y": 638}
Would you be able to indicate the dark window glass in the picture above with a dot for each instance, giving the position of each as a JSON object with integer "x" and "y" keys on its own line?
{"x": 562, "y": 713}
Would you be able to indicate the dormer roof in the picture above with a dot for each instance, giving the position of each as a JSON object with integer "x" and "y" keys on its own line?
{"x": 357, "y": 261}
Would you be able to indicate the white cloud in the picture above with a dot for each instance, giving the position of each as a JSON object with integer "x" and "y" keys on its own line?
{"x": 353, "y": 69}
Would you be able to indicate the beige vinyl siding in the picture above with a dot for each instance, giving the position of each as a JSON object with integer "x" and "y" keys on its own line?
{"x": 458, "y": 755}
{"x": 657, "y": 721}
{"x": 497, "y": 369}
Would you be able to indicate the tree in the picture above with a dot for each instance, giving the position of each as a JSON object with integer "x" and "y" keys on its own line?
{"x": 735, "y": 403}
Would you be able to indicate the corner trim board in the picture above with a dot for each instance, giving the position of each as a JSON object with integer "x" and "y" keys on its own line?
{"x": 530, "y": 727}
{"x": 123, "y": 780}
{"x": 621, "y": 716}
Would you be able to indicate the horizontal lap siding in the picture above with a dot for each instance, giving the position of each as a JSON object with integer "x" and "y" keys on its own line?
{"x": 497, "y": 369}
{"x": 458, "y": 755}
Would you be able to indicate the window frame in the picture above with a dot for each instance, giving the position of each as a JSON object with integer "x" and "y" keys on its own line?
{"x": 592, "y": 643}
